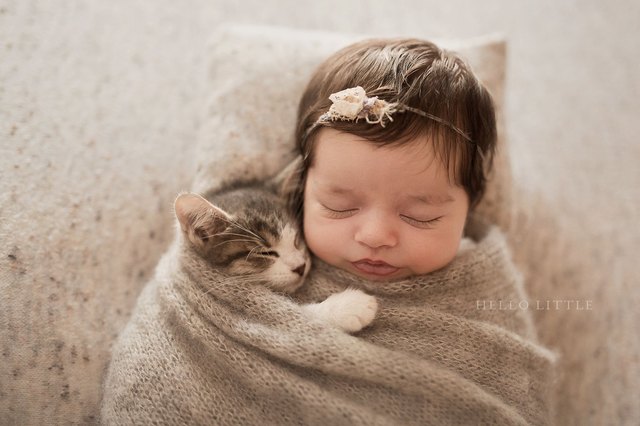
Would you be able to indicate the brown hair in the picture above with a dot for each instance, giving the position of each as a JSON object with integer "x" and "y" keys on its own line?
{"x": 418, "y": 74}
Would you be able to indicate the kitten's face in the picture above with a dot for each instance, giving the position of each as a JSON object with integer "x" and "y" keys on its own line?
{"x": 252, "y": 238}
{"x": 273, "y": 252}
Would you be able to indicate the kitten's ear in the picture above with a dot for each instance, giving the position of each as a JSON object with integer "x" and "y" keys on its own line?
{"x": 287, "y": 181}
{"x": 199, "y": 219}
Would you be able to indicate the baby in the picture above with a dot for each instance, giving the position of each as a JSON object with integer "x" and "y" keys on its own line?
{"x": 396, "y": 139}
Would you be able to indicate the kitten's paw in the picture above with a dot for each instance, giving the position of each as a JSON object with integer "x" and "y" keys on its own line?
{"x": 350, "y": 310}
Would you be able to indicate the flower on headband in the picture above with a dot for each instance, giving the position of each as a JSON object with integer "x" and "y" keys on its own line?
{"x": 348, "y": 103}
{"x": 353, "y": 104}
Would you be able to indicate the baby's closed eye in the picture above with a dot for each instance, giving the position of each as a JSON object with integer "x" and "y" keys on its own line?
{"x": 421, "y": 223}
{"x": 338, "y": 213}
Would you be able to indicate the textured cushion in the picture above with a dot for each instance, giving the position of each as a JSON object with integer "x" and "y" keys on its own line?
{"x": 256, "y": 78}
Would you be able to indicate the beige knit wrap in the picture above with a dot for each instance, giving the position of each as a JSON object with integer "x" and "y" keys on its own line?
{"x": 201, "y": 349}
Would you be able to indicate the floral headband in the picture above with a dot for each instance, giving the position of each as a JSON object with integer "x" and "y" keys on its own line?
{"x": 353, "y": 104}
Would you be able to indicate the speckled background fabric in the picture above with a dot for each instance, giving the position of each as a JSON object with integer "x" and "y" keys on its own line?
{"x": 100, "y": 106}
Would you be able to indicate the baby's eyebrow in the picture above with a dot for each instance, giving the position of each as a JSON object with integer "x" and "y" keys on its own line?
{"x": 432, "y": 199}
{"x": 339, "y": 190}
{"x": 335, "y": 189}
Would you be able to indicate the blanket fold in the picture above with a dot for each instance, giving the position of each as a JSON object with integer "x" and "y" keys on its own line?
{"x": 205, "y": 349}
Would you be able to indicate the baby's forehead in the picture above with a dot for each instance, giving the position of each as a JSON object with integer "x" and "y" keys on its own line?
{"x": 420, "y": 147}
{"x": 343, "y": 158}
{"x": 415, "y": 153}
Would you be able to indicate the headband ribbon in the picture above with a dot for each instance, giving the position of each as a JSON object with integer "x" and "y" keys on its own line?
{"x": 353, "y": 104}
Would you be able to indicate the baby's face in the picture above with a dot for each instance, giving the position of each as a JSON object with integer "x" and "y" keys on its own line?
{"x": 381, "y": 213}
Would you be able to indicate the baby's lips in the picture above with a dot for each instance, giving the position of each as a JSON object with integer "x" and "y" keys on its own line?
{"x": 374, "y": 267}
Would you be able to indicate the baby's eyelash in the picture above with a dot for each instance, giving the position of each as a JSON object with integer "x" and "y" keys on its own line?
{"x": 421, "y": 223}
{"x": 338, "y": 214}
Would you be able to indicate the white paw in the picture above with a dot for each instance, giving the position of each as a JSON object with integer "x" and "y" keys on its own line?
{"x": 350, "y": 310}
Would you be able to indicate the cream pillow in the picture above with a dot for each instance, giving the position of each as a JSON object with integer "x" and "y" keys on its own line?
{"x": 256, "y": 77}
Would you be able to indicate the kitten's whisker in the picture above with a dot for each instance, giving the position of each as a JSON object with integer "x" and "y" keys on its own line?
{"x": 224, "y": 233}
{"x": 249, "y": 231}
{"x": 251, "y": 251}
{"x": 249, "y": 237}
{"x": 237, "y": 240}
{"x": 233, "y": 241}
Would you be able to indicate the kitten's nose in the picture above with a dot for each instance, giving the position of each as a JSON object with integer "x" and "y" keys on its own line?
{"x": 300, "y": 269}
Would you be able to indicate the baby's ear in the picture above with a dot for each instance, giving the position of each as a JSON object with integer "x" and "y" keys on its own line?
{"x": 287, "y": 181}
{"x": 199, "y": 219}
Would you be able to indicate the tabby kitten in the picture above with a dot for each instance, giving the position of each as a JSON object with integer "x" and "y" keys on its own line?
{"x": 245, "y": 230}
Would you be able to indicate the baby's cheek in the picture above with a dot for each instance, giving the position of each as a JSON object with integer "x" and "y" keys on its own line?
{"x": 319, "y": 238}
{"x": 429, "y": 256}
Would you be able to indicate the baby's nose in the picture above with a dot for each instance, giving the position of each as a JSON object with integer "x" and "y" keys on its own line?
{"x": 376, "y": 233}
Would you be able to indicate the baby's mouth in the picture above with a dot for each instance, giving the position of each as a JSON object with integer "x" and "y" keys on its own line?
{"x": 374, "y": 267}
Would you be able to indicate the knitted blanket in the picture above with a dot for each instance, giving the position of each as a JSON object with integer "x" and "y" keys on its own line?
{"x": 201, "y": 349}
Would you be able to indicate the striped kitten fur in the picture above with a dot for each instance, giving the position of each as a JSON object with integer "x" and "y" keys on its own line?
{"x": 246, "y": 230}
